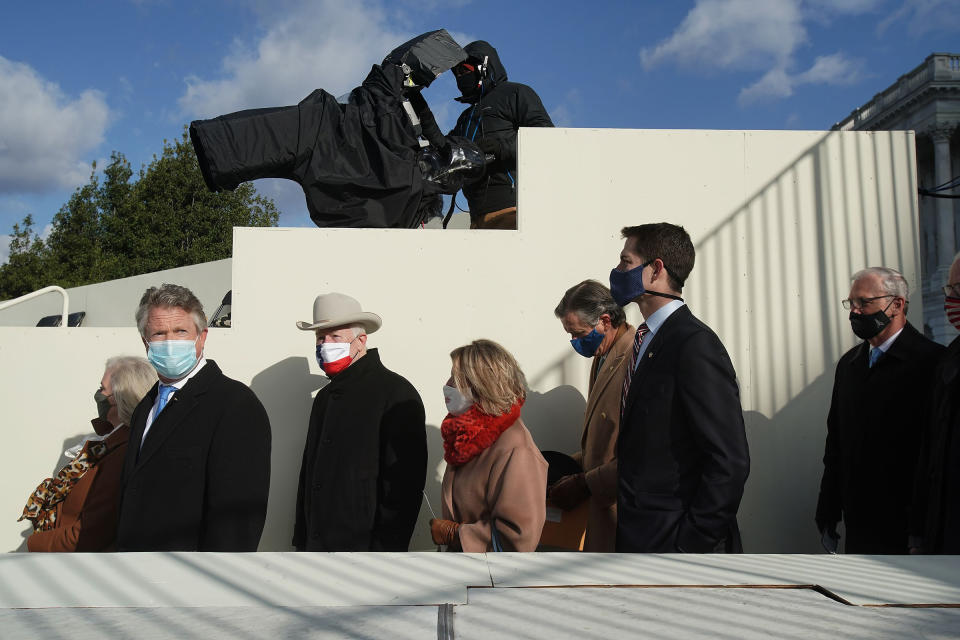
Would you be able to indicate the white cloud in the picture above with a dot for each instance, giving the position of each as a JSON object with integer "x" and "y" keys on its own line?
{"x": 329, "y": 44}
{"x": 835, "y": 69}
{"x": 845, "y": 6}
{"x": 761, "y": 35}
{"x": 733, "y": 34}
{"x": 924, "y": 16}
{"x": 45, "y": 134}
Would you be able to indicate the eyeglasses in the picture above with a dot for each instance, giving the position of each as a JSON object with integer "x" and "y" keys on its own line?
{"x": 952, "y": 290}
{"x": 860, "y": 303}
{"x": 463, "y": 69}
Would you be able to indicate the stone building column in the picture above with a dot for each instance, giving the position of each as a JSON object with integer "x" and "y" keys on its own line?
{"x": 946, "y": 246}
{"x": 934, "y": 316}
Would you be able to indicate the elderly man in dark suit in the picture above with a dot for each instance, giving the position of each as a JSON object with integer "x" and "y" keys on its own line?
{"x": 197, "y": 470}
{"x": 682, "y": 449}
{"x": 365, "y": 460}
{"x": 880, "y": 403}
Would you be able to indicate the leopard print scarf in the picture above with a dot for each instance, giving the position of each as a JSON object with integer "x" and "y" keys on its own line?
{"x": 41, "y": 507}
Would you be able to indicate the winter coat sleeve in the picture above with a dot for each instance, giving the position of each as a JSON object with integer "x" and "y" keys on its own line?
{"x": 602, "y": 482}
{"x": 300, "y": 524}
{"x": 528, "y": 111}
{"x": 829, "y": 511}
{"x": 95, "y": 526}
{"x": 403, "y": 472}
{"x": 515, "y": 494}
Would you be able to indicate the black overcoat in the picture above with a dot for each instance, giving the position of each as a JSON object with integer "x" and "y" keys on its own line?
{"x": 364, "y": 464}
{"x": 201, "y": 479}
{"x": 682, "y": 450}
{"x": 873, "y": 440}
{"x": 936, "y": 513}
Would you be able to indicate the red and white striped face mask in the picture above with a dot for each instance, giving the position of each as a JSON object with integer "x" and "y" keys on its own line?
{"x": 951, "y": 306}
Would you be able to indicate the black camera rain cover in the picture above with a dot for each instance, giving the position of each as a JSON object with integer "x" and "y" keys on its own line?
{"x": 428, "y": 55}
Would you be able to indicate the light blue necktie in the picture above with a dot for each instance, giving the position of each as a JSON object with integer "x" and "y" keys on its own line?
{"x": 874, "y": 356}
{"x": 165, "y": 392}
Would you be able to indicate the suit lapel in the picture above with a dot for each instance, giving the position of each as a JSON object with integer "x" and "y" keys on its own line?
{"x": 649, "y": 357}
{"x": 177, "y": 410}
{"x": 618, "y": 352}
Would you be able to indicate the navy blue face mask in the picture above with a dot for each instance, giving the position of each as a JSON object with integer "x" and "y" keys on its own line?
{"x": 587, "y": 345}
{"x": 627, "y": 286}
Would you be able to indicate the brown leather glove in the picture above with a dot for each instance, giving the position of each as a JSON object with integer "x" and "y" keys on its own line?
{"x": 443, "y": 531}
{"x": 569, "y": 491}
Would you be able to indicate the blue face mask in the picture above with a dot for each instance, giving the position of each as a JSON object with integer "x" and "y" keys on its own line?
{"x": 587, "y": 345}
{"x": 173, "y": 359}
{"x": 627, "y": 286}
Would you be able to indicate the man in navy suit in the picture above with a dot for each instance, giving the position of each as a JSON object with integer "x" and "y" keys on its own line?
{"x": 197, "y": 471}
{"x": 682, "y": 448}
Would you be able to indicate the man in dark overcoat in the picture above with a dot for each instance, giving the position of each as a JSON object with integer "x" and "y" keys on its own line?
{"x": 682, "y": 450}
{"x": 936, "y": 510}
{"x": 880, "y": 403}
{"x": 365, "y": 460}
{"x": 197, "y": 469}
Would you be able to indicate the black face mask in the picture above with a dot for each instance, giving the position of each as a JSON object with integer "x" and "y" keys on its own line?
{"x": 867, "y": 326}
{"x": 467, "y": 83}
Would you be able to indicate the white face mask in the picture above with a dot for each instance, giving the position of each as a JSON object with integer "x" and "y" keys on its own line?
{"x": 333, "y": 351}
{"x": 457, "y": 402}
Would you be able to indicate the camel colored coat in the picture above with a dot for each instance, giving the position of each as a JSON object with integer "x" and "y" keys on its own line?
{"x": 87, "y": 517}
{"x": 598, "y": 446}
{"x": 506, "y": 483}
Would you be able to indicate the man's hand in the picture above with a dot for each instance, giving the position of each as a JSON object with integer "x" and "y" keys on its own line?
{"x": 443, "y": 531}
{"x": 569, "y": 491}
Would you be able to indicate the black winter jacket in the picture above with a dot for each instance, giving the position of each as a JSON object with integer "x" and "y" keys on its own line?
{"x": 364, "y": 463}
{"x": 498, "y": 112}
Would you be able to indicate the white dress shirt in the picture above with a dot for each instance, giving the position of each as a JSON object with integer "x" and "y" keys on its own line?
{"x": 176, "y": 385}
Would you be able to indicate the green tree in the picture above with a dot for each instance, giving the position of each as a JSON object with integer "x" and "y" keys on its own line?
{"x": 120, "y": 226}
{"x": 25, "y": 270}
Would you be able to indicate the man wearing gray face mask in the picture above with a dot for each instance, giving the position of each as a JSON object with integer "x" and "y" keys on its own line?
{"x": 879, "y": 404}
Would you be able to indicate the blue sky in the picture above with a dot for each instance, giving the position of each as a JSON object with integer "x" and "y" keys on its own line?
{"x": 79, "y": 80}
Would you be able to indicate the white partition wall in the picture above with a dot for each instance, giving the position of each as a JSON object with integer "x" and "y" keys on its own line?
{"x": 780, "y": 221}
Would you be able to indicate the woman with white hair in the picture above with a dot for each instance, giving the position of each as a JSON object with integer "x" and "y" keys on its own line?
{"x": 495, "y": 484}
{"x": 77, "y": 510}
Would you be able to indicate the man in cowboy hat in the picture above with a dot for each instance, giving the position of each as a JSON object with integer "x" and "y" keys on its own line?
{"x": 365, "y": 460}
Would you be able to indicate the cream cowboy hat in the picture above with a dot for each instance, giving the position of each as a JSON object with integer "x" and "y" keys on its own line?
{"x": 337, "y": 310}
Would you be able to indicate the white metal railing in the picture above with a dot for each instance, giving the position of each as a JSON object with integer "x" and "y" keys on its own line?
{"x": 37, "y": 294}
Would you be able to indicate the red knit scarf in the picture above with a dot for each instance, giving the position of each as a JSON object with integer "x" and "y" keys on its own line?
{"x": 468, "y": 435}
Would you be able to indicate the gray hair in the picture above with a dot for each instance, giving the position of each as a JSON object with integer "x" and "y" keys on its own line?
{"x": 358, "y": 330}
{"x": 170, "y": 295}
{"x": 590, "y": 300}
{"x": 130, "y": 379}
{"x": 892, "y": 281}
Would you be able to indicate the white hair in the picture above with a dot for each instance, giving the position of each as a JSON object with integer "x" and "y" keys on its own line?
{"x": 130, "y": 379}
{"x": 892, "y": 281}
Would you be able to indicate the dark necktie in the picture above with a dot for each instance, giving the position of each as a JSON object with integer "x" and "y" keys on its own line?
{"x": 637, "y": 341}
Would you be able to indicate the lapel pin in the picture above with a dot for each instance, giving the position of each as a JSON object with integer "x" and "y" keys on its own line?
{"x": 649, "y": 354}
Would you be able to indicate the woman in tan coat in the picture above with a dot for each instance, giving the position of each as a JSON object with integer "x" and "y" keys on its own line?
{"x": 495, "y": 483}
{"x": 77, "y": 510}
